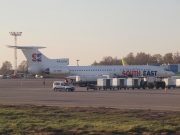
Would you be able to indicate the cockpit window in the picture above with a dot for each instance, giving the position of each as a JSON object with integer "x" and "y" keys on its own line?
{"x": 166, "y": 69}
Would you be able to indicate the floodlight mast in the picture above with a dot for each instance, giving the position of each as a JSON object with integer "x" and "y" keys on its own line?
{"x": 77, "y": 62}
{"x": 15, "y": 34}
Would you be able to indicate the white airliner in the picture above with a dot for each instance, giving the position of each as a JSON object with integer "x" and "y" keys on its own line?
{"x": 41, "y": 65}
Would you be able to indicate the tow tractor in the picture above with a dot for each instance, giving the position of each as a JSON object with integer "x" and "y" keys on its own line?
{"x": 152, "y": 82}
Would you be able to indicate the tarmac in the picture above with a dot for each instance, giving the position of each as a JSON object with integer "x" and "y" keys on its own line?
{"x": 34, "y": 92}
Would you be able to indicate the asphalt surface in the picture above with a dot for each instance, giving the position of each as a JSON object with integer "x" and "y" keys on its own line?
{"x": 32, "y": 91}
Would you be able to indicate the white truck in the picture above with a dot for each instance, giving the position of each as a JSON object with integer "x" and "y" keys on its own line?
{"x": 60, "y": 85}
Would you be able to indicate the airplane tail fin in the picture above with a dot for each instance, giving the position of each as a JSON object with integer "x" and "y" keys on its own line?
{"x": 124, "y": 63}
{"x": 32, "y": 54}
{"x": 36, "y": 58}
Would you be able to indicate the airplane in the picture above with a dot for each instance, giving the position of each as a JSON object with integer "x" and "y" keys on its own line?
{"x": 41, "y": 65}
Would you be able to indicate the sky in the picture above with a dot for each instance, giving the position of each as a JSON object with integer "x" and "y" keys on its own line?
{"x": 89, "y": 30}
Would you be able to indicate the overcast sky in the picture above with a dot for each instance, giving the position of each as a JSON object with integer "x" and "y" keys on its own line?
{"x": 88, "y": 30}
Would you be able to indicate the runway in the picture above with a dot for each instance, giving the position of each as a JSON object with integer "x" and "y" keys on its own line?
{"x": 32, "y": 91}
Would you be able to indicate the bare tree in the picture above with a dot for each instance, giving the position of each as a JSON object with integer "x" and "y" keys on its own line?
{"x": 142, "y": 58}
{"x": 6, "y": 67}
{"x": 157, "y": 58}
{"x": 176, "y": 58}
{"x": 95, "y": 63}
{"x": 168, "y": 58}
{"x": 130, "y": 58}
{"x": 23, "y": 66}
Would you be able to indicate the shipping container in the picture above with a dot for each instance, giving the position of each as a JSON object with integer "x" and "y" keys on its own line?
{"x": 104, "y": 83}
{"x": 177, "y": 83}
{"x": 170, "y": 82}
{"x": 119, "y": 83}
{"x": 133, "y": 83}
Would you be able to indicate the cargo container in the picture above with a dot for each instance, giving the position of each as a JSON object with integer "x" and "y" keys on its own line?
{"x": 104, "y": 83}
{"x": 119, "y": 83}
{"x": 177, "y": 83}
{"x": 170, "y": 83}
{"x": 133, "y": 83}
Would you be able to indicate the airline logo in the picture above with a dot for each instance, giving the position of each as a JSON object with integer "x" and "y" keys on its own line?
{"x": 138, "y": 73}
{"x": 149, "y": 73}
{"x": 36, "y": 57}
{"x": 134, "y": 73}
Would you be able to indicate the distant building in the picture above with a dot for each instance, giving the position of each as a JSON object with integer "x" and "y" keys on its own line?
{"x": 172, "y": 67}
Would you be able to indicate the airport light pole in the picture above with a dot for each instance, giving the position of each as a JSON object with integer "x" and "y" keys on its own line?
{"x": 77, "y": 62}
{"x": 15, "y": 34}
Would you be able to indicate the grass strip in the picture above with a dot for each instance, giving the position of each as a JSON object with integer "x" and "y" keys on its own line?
{"x": 29, "y": 119}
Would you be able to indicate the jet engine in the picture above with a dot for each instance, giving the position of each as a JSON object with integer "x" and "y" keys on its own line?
{"x": 62, "y": 70}
{"x": 34, "y": 70}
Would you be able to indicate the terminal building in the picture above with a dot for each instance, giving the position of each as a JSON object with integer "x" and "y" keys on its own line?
{"x": 172, "y": 67}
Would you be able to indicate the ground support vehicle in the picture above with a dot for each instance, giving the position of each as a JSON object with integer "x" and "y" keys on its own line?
{"x": 5, "y": 76}
{"x": 104, "y": 83}
{"x": 60, "y": 86}
{"x": 159, "y": 83}
{"x": 83, "y": 81}
{"x": 177, "y": 83}
{"x": 152, "y": 82}
{"x": 119, "y": 83}
{"x": 170, "y": 83}
{"x": 133, "y": 83}
{"x": 91, "y": 86}
{"x": 147, "y": 82}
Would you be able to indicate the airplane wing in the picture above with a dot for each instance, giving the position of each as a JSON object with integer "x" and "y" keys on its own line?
{"x": 71, "y": 77}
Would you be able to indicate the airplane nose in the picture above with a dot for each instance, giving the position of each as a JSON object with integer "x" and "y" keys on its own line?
{"x": 171, "y": 73}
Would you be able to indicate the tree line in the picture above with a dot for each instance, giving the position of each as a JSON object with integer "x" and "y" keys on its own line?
{"x": 7, "y": 68}
{"x": 141, "y": 59}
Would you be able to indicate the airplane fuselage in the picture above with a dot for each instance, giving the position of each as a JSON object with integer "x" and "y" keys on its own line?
{"x": 109, "y": 70}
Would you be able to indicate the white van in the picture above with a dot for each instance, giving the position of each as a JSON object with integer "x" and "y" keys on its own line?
{"x": 60, "y": 85}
